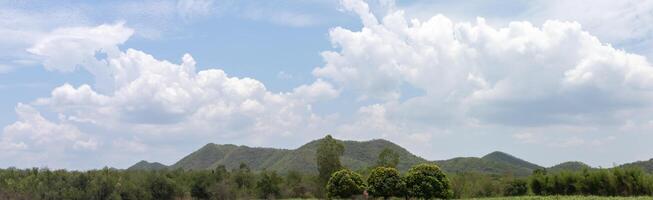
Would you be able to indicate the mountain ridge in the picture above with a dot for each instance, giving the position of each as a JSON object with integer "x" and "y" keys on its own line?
{"x": 358, "y": 155}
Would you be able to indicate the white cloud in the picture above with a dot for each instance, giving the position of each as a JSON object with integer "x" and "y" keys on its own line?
{"x": 80, "y": 45}
{"x": 142, "y": 96}
{"x": 36, "y": 141}
{"x": 520, "y": 74}
{"x": 189, "y": 9}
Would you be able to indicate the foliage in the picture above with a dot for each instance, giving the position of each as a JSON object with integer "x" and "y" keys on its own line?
{"x": 243, "y": 176}
{"x": 427, "y": 181}
{"x": 344, "y": 184}
{"x": 517, "y": 187}
{"x": 268, "y": 185}
{"x": 388, "y": 158}
{"x": 328, "y": 157}
{"x": 385, "y": 182}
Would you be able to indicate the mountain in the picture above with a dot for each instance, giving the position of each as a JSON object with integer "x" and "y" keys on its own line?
{"x": 357, "y": 155}
{"x": 568, "y": 166}
{"x": 144, "y": 165}
{"x": 502, "y": 157}
{"x": 493, "y": 163}
{"x": 647, "y": 165}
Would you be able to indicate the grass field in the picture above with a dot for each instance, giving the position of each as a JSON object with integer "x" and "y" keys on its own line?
{"x": 567, "y": 198}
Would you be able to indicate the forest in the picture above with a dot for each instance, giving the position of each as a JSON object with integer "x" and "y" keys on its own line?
{"x": 421, "y": 181}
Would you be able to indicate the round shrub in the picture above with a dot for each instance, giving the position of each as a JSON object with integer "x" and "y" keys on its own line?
{"x": 385, "y": 182}
{"x": 517, "y": 187}
{"x": 344, "y": 184}
{"x": 427, "y": 181}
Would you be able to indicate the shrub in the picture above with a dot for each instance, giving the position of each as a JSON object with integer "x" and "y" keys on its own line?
{"x": 268, "y": 185}
{"x": 385, "y": 182}
{"x": 427, "y": 181}
{"x": 517, "y": 187}
{"x": 344, "y": 184}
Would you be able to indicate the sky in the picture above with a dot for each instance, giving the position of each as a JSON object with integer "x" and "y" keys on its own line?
{"x": 88, "y": 84}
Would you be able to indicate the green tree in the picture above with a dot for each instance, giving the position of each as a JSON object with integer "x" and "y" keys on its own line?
{"x": 427, "y": 181}
{"x": 538, "y": 182}
{"x": 385, "y": 182}
{"x": 161, "y": 187}
{"x": 517, "y": 187}
{"x": 328, "y": 157}
{"x": 243, "y": 176}
{"x": 268, "y": 185}
{"x": 388, "y": 158}
{"x": 344, "y": 184}
{"x": 199, "y": 188}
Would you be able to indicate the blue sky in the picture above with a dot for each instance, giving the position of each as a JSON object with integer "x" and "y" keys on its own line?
{"x": 93, "y": 84}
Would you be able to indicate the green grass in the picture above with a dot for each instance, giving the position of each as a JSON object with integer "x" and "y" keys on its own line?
{"x": 566, "y": 198}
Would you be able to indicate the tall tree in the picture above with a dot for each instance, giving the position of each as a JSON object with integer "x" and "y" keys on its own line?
{"x": 268, "y": 185}
{"x": 328, "y": 158}
{"x": 388, "y": 158}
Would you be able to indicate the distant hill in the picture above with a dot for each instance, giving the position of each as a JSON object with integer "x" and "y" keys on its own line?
{"x": 493, "y": 163}
{"x": 357, "y": 155}
{"x": 144, "y": 165}
{"x": 568, "y": 166}
{"x": 502, "y": 157}
{"x": 647, "y": 165}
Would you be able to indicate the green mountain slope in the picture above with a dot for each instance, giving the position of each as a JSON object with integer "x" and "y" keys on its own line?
{"x": 357, "y": 155}
{"x": 646, "y": 165}
{"x": 568, "y": 166}
{"x": 144, "y": 165}
{"x": 502, "y": 157}
{"x": 480, "y": 165}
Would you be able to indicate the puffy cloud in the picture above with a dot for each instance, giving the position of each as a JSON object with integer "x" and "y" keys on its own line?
{"x": 516, "y": 75}
{"x": 65, "y": 49}
{"x": 147, "y": 95}
{"x": 36, "y": 141}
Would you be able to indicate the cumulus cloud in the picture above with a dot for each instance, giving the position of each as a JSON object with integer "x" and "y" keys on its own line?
{"x": 142, "y": 95}
{"x": 517, "y": 75}
{"x": 36, "y": 141}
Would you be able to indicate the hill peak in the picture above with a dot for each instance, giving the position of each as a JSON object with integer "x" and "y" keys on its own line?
{"x": 498, "y": 156}
{"x": 145, "y": 165}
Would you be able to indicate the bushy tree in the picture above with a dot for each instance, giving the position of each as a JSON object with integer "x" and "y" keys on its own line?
{"x": 199, "y": 188}
{"x": 388, "y": 158}
{"x": 344, "y": 184}
{"x": 243, "y": 176}
{"x": 427, "y": 181}
{"x": 517, "y": 187}
{"x": 268, "y": 185}
{"x": 328, "y": 157}
{"x": 538, "y": 182}
{"x": 385, "y": 182}
{"x": 162, "y": 187}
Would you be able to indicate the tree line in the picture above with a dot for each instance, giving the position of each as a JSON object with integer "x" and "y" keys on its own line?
{"x": 424, "y": 181}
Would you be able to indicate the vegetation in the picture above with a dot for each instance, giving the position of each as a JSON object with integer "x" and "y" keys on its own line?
{"x": 388, "y": 158}
{"x": 386, "y": 182}
{"x": 345, "y": 184}
{"x": 241, "y": 181}
{"x": 328, "y": 158}
{"x": 356, "y": 156}
{"x": 427, "y": 181}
